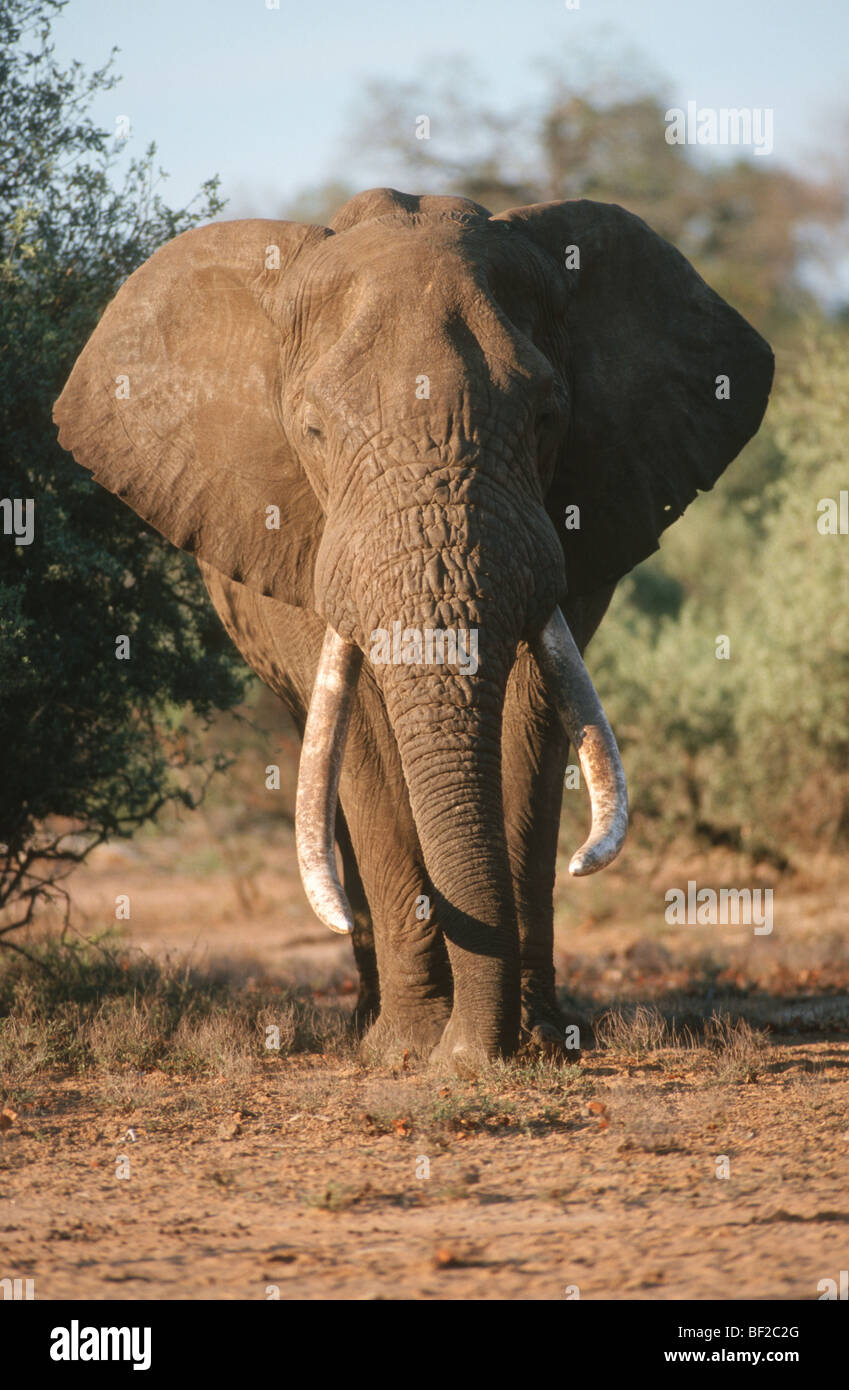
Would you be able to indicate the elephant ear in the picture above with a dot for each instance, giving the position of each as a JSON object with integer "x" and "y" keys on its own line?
{"x": 667, "y": 382}
{"x": 174, "y": 404}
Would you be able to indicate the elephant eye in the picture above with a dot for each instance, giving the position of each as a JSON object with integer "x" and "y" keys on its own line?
{"x": 312, "y": 421}
{"x": 546, "y": 422}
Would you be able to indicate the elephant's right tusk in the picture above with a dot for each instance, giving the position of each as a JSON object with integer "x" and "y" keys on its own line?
{"x": 318, "y": 780}
{"x": 569, "y": 685}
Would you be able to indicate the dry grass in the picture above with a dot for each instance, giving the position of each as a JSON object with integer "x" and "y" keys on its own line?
{"x": 635, "y": 1032}
{"x": 738, "y": 1051}
{"x": 101, "y": 1006}
{"x": 725, "y": 1048}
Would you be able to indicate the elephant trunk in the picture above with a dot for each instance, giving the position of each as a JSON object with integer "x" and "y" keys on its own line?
{"x": 448, "y": 730}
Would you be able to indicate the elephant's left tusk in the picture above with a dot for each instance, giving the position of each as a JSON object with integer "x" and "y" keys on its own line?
{"x": 570, "y": 687}
{"x": 318, "y": 781}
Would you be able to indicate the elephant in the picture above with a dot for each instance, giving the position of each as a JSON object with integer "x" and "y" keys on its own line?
{"x": 413, "y": 453}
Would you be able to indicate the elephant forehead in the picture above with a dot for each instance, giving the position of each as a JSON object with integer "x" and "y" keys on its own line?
{"x": 467, "y": 294}
{"x": 408, "y": 258}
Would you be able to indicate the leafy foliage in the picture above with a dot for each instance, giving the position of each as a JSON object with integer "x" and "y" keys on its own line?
{"x": 86, "y": 737}
{"x": 753, "y": 750}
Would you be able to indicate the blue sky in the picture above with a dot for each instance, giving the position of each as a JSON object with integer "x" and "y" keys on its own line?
{"x": 265, "y": 97}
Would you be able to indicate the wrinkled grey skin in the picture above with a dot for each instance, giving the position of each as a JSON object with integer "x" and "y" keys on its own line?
{"x": 301, "y": 386}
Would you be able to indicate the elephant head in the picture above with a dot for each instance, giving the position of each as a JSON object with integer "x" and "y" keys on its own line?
{"x": 418, "y": 393}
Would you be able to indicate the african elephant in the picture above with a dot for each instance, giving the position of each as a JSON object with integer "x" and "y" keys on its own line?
{"x": 421, "y": 394}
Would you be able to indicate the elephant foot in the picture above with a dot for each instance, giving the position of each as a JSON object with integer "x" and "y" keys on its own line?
{"x": 390, "y": 1037}
{"x": 460, "y": 1052}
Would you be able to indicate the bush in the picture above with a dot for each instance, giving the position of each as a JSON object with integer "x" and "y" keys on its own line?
{"x": 753, "y": 750}
{"x": 86, "y": 738}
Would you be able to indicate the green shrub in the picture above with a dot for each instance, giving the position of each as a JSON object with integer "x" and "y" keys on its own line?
{"x": 86, "y": 738}
{"x": 754, "y": 750}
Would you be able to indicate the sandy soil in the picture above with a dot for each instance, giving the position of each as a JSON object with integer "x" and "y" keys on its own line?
{"x": 315, "y": 1177}
{"x": 250, "y": 1198}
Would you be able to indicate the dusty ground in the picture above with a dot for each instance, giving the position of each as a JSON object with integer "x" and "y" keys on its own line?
{"x": 315, "y": 1177}
{"x": 232, "y": 1192}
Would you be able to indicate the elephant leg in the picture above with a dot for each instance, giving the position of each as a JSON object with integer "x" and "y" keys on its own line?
{"x": 398, "y": 947}
{"x": 412, "y": 963}
{"x": 535, "y": 752}
{"x": 534, "y": 755}
{"x": 368, "y": 1000}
